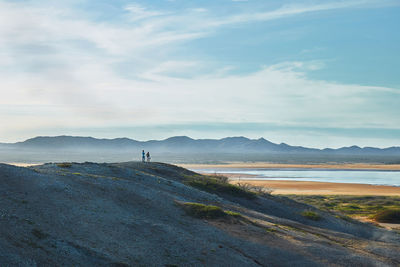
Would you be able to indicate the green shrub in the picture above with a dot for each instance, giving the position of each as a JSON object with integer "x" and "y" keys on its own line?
{"x": 218, "y": 185}
{"x": 232, "y": 213}
{"x": 311, "y": 215}
{"x": 64, "y": 165}
{"x": 388, "y": 216}
{"x": 258, "y": 190}
{"x": 203, "y": 211}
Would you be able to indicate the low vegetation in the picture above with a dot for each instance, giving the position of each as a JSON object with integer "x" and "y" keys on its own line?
{"x": 258, "y": 190}
{"x": 388, "y": 216}
{"x": 219, "y": 185}
{"x": 374, "y": 207}
{"x": 202, "y": 211}
{"x": 312, "y": 215}
{"x": 64, "y": 165}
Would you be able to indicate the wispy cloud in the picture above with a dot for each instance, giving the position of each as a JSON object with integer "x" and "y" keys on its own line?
{"x": 289, "y": 10}
{"x": 139, "y": 12}
{"x": 72, "y": 71}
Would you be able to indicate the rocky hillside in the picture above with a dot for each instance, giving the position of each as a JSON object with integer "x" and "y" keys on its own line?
{"x": 137, "y": 214}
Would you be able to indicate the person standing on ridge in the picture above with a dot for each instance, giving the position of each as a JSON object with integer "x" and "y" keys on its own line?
{"x": 143, "y": 156}
{"x": 148, "y": 156}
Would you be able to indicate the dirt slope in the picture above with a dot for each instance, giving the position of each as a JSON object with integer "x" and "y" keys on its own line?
{"x": 127, "y": 214}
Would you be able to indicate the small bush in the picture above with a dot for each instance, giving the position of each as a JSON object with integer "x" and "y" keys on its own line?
{"x": 220, "y": 178}
{"x": 64, "y": 165}
{"x": 232, "y": 213}
{"x": 311, "y": 215}
{"x": 203, "y": 211}
{"x": 258, "y": 190}
{"x": 388, "y": 216}
{"x": 218, "y": 186}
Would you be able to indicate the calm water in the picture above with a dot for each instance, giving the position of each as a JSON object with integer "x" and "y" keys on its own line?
{"x": 320, "y": 175}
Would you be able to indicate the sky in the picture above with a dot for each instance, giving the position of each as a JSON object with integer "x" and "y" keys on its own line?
{"x": 310, "y": 73}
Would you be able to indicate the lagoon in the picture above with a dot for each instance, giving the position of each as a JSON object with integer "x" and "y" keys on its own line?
{"x": 373, "y": 177}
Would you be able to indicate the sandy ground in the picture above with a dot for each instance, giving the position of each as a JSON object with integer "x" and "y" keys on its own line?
{"x": 322, "y": 188}
{"x": 19, "y": 164}
{"x": 266, "y": 165}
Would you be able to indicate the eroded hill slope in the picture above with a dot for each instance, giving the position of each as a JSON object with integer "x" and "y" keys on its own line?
{"x": 132, "y": 214}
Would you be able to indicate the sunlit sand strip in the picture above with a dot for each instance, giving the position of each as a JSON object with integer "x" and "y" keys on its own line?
{"x": 266, "y": 165}
{"x": 19, "y": 164}
{"x": 322, "y": 188}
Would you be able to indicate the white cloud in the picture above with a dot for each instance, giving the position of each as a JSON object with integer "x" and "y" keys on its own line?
{"x": 292, "y": 10}
{"x": 67, "y": 70}
{"x": 139, "y": 12}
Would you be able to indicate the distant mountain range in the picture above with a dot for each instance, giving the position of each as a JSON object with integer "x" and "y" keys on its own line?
{"x": 184, "y": 144}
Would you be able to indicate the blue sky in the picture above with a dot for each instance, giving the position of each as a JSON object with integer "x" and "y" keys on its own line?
{"x": 312, "y": 73}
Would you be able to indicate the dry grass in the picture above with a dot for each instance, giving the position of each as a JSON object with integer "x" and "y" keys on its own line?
{"x": 218, "y": 185}
{"x": 258, "y": 190}
{"x": 312, "y": 215}
{"x": 388, "y": 216}
{"x": 64, "y": 165}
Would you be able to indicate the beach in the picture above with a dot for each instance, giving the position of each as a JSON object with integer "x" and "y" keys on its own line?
{"x": 322, "y": 188}
{"x": 304, "y": 187}
{"x": 267, "y": 165}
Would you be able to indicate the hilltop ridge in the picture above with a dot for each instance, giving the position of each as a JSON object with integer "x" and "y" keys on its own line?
{"x": 134, "y": 213}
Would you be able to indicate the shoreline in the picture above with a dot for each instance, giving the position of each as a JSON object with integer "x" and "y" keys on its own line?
{"x": 283, "y": 187}
{"x": 267, "y": 165}
{"x": 20, "y": 164}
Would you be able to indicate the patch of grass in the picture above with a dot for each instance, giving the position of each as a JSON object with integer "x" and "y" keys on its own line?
{"x": 64, "y": 165}
{"x": 232, "y": 213}
{"x": 218, "y": 185}
{"x": 258, "y": 190}
{"x": 312, "y": 215}
{"x": 388, "y": 216}
{"x": 203, "y": 211}
{"x": 353, "y": 206}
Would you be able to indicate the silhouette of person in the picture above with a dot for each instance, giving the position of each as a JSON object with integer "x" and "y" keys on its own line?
{"x": 148, "y": 156}
{"x": 143, "y": 156}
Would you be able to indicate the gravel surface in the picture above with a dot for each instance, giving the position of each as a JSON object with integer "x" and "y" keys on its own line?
{"x": 128, "y": 214}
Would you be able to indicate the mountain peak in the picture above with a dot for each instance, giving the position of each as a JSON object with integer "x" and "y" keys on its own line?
{"x": 179, "y": 138}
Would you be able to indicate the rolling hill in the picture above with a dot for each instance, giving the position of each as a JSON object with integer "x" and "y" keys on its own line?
{"x": 154, "y": 214}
